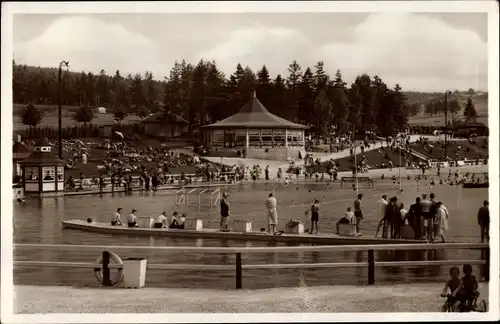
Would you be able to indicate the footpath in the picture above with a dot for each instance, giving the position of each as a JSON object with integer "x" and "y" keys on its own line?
{"x": 418, "y": 297}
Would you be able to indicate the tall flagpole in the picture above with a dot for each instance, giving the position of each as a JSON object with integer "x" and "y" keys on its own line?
{"x": 400, "y": 184}
{"x": 355, "y": 160}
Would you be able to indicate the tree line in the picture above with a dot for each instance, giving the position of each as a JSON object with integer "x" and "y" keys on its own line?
{"x": 202, "y": 94}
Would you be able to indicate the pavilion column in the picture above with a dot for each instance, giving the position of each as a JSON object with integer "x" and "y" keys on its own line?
{"x": 286, "y": 137}
{"x": 55, "y": 179}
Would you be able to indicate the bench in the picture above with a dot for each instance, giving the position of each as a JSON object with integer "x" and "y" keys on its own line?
{"x": 359, "y": 179}
{"x": 242, "y": 226}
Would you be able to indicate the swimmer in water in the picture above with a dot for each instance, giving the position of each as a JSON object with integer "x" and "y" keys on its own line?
{"x": 19, "y": 198}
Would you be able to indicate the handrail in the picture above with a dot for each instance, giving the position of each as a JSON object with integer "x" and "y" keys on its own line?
{"x": 230, "y": 250}
{"x": 179, "y": 266}
{"x": 370, "y": 263}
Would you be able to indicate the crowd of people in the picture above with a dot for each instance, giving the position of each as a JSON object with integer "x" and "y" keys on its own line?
{"x": 427, "y": 218}
{"x": 176, "y": 222}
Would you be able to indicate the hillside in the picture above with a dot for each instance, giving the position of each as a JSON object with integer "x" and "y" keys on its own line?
{"x": 480, "y": 101}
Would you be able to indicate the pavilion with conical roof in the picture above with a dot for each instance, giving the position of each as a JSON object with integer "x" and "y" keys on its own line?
{"x": 256, "y": 133}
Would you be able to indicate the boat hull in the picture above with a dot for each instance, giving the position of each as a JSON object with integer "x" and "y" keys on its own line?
{"x": 105, "y": 228}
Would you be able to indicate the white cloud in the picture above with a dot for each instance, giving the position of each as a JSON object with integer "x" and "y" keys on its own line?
{"x": 91, "y": 45}
{"x": 258, "y": 45}
{"x": 417, "y": 51}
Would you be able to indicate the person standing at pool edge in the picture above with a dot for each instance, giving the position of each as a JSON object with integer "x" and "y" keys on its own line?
{"x": 224, "y": 212}
{"x": 483, "y": 219}
{"x": 314, "y": 216}
{"x": 357, "y": 211}
{"x": 272, "y": 213}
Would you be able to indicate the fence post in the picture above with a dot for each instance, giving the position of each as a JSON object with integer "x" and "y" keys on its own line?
{"x": 371, "y": 267}
{"x": 239, "y": 283}
{"x": 486, "y": 268}
{"x": 106, "y": 280}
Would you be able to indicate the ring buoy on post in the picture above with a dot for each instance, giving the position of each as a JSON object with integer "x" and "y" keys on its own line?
{"x": 113, "y": 259}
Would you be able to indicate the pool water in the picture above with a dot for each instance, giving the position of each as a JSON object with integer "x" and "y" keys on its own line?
{"x": 39, "y": 221}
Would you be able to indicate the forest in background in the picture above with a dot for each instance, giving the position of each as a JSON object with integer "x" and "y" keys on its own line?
{"x": 202, "y": 94}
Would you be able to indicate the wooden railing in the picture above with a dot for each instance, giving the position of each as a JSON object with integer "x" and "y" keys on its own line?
{"x": 370, "y": 249}
{"x": 136, "y": 181}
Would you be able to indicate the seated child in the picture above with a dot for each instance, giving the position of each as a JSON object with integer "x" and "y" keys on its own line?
{"x": 453, "y": 284}
{"x": 174, "y": 223}
{"x": 467, "y": 291}
{"x": 182, "y": 220}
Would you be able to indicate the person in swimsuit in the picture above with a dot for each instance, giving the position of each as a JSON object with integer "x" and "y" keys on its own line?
{"x": 357, "y": 211}
{"x": 132, "y": 219}
{"x": 483, "y": 219}
{"x": 224, "y": 212}
{"x": 314, "y": 216}
{"x": 161, "y": 221}
{"x": 116, "y": 218}
{"x": 182, "y": 220}
{"x": 453, "y": 284}
{"x": 426, "y": 206}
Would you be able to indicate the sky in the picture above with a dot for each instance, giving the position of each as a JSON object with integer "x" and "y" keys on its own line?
{"x": 420, "y": 51}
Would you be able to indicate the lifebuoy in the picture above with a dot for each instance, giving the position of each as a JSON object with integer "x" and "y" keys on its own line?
{"x": 113, "y": 258}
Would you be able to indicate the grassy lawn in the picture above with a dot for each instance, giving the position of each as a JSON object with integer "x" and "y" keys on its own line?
{"x": 98, "y": 155}
{"x": 376, "y": 157}
{"x": 426, "y": 120}
{"x": 51, "y": 119}
{"x": 477, "y": 150}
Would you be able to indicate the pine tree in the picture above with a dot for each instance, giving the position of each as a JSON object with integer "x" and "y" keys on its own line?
{"x": 470, "y": 112}
{"x": 84, "y": 115}
{"x": 306, "y": 97}
{"x": 320, "y": 77}
{"x": 31, "y": 116}
{"x": 264, "y": 87}
{"x": 368, "y": 109}
{"x": 355, "y": 106}
{"x": 278, "y": 105}
{"x": 322, "y": 114}
{"x": 340, "y": 107}
{"x": 292, "y": 83}
{"x": 338, "y": 81}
